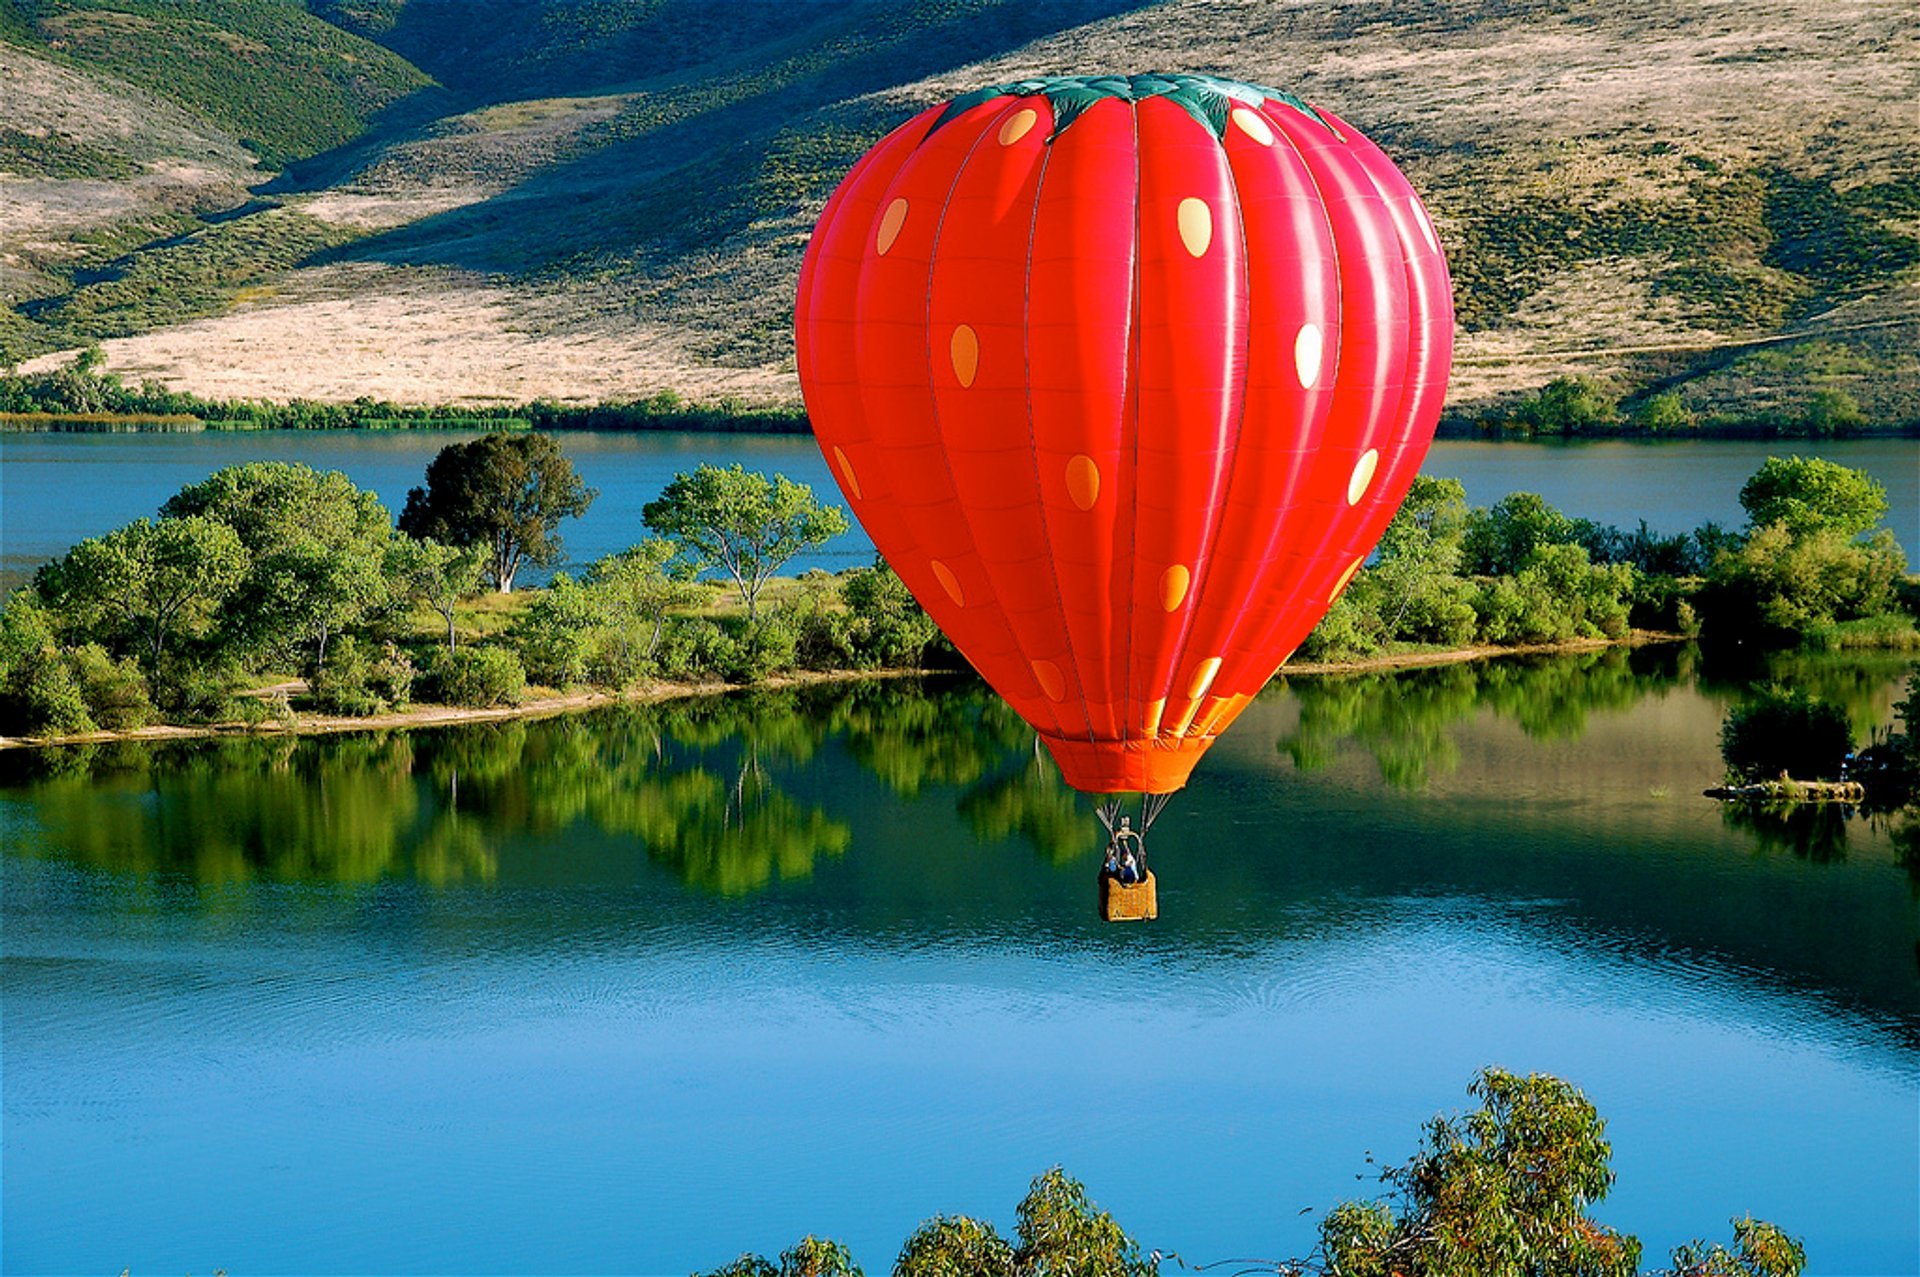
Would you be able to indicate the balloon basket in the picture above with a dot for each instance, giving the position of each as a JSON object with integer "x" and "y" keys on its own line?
{"x": 1128, "y": 902}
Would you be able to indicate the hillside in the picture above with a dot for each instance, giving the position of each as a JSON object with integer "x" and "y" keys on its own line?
{"x": 499, "y": 199}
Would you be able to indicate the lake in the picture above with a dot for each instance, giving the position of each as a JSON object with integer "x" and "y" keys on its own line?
{"x": 632, "y": 991}
{"x": 56, "y": 489}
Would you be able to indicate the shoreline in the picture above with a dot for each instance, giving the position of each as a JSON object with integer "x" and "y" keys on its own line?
{"x": 578, "y": 702}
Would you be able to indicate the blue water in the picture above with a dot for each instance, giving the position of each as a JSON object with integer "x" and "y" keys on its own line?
{"x": 56, "y": 489}
{"x": 634, "y": 991}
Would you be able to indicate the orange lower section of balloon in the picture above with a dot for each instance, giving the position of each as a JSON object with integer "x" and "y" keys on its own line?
{"x": 1124, "y": 377}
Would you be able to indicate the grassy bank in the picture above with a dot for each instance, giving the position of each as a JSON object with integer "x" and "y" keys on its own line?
{"x": 493, "y": 615}
{"x": 81, "y": 398}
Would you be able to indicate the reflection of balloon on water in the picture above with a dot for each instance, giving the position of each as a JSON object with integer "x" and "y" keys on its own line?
{"x": 1125, "y": 376}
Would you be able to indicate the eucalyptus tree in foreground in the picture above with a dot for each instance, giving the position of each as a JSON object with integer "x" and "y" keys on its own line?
{"x": 502, "y": 494}
{"x": 743, "y": 522}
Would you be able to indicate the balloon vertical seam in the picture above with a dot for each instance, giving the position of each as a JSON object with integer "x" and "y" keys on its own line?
{"x": 1033, "y": 433}
{"x": 933, "y": 258}
{"x": 1203, "y": 563}
{"x": 1130, "y": 422}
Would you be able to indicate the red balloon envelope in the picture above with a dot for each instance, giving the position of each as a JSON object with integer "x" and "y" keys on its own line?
{"x": 1125, "y": 376}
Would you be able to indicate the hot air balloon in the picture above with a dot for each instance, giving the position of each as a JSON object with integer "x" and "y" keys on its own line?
{"x": 1125, "y": 376}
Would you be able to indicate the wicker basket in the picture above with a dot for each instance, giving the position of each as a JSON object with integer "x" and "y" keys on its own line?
{"x": 1123, "y": 902}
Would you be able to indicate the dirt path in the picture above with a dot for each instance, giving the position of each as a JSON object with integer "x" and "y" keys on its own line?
{"x": 573, "y": 702}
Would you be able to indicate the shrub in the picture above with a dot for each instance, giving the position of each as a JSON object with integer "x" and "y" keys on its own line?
{"x": 38, "y": 693}
{"x": 695, "y": 648}
{"x": 480, "y": 677}
{"x": 555, "y": 635}
{"x": 1780, "y": 586}
{"x": 192, "y": 691}
{"x": 1346, "y": 632}
{"x": 884, "y": 625}
{"x": 115, "y": 692}
{"x": 1784, "y": 731}
{"x": 763, "y": 646}
{"x": 357, "y": 681}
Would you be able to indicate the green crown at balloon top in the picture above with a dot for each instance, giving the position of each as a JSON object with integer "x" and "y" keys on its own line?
{"x": 1207, "y": 98}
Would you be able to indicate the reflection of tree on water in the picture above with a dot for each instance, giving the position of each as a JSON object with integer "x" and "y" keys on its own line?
{"x": 689, "y": 780}
{"x": 911, "y": 736}
{"x": 1865, "y": 683}
{"x": 1811, "y": 831}
{"x": 1033, "y": 802}
{"x": 340, "y": 809}
{"x": 1405, "y": 718}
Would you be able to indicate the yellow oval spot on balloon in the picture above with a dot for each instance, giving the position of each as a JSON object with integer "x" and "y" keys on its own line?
{"x": 1083, "y": 481}
{"x": 965, "y": 351}
{"x": 1203, "y": 678}
{"x": 1050, "y": 680}
{"x": 1173, "y": 586}
{"x": 1362, "y": 477}
{"x": 1018, "y": 125}
{"x": 948, "y": 582}
{"x": 890, "y": 223}
{"x": 1308, "y": 346}
{"x": 846, "y": 471}
{"x": 1253, "y": 125}
{"x": 1345, "y": 578}
{"x": 1196, "y": 225}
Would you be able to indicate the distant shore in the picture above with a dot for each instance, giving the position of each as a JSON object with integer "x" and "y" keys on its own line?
{"x": 557, "y": 703}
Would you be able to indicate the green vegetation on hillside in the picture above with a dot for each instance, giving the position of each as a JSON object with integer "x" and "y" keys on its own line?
{"x": 1744, "y": 249}
{"x": 172, "y": 281}
{"x": 283, "y": 81}
{"x": 704, "y": 138}
{"x": 55, "y": 155}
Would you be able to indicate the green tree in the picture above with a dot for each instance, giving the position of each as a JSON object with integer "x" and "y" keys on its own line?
{"x": 39, "y": 695}
{"x": 1567, "y": 406}
{"x": 1809, "y": 495}
{"x": 310, "y": 592}
{"x": 1416, "y": 566}
{"x": 1501, "y": 1192}
{"x": 316, "y": 545}
{"x": 632, "y": 593}
{"x": 808, "y": 1257}
{"x": 146, "y": 581}
{"x": 743, "y": 522}
{"x": 426, "y": 571}
{"x": 1664, "y": 414}
{"x": 1834, "y": 412}
{"x": 1499, "y": 540}
{"x": 504, "y": 495}
{"x": 1759, "y": 1250}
